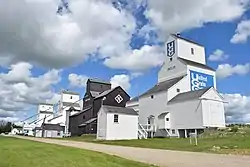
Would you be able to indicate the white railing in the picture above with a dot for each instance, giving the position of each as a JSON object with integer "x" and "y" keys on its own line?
{"x": 142, "y": 133}
{"x": 149, "y": 127}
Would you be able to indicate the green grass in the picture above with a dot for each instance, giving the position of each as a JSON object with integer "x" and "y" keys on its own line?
{"x": 228, "y": 143}
{"x": 23, "y": 153}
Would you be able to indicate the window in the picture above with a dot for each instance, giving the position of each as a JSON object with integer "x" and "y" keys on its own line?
{"x": 58, "y": 133}
{"x": 178, "y": 90}
{"x": 167, "y": 119}
{"x": 116, "y": 118}
{"x": 118, "y": 98}
{"x": 152, "y": 96}
{"x": 171, "y": 59}
{"x": 149, "y": 121}
{"x": 173, "y": 131}
{"x": 71, "y": 97}
{"x": 83, "y": 117}
{"x": 192, "y": 51}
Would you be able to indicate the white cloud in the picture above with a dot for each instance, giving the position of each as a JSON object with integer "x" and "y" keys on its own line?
{"x": 77, "y": 80}
{"x": 218, "y": 55}
{"x": 178, "y": 15}
{"x": 20, "y": 90}
{"x": 31, "y": 31}
{"x": 242, "y": 32}
{"x": 237, "y": 109}
{"x": 80, "y": 81}
{"x": 121, "y": 80}
{"x": 227, "y": 70}
{"x": 137, "y": 60}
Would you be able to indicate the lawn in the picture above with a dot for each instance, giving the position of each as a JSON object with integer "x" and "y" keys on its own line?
{"x": 229, "y": 143}
{"x": 23, "y": 153}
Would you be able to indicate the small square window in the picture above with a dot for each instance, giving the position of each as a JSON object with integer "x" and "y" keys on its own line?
{"x": 167, "y": 119}
{"x": 58, "y": 133}
{"x": 173, "y": 131}
{"x": 71, "y": 97}
{"x": 116, "y": 118}
{"x": 178, "y": 90}
{"x": 192, "y": 51}
{"x": 152, "y": 96}
{"x": 171, "y": 59}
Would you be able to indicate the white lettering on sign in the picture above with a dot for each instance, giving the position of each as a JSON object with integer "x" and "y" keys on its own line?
{"x": 200, "y": 80}
{"x": 171, "y": 49}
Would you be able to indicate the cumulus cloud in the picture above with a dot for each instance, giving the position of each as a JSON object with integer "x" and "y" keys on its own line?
{"x": 242, "y": 32}
{"x": 20, "y": 90}
{"x": 122, "y": 80}
{"x": 31, "y": 31}
{"x": 218, "y": 55}
{"x": 138, "y": 60}
{"x": 227, "y": 70}
{"x": 237, "y": 109}
{"x": 77, "y": 80}
{"x": 179, "y": 15}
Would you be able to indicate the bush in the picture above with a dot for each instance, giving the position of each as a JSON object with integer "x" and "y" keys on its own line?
{"x": 234, "y": 129}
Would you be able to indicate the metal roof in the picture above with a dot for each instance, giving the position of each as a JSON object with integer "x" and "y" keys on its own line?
{"x": 69, "y": 92}
{"x": 188, "y": 96}
{"x": 188, "y": 40}
{"x": 163, "y": 114}
{"x": 106, "y": 92}
{"x": 81, "y": 111}
{"x": 68, "y": 104}
{"x": 119, "y": 110}
{"x": 88, "y": 122}
{"x": 55, "y": 127}
{"x": 48, "y": 104}
{"x": 192, "y": 63}
{"x": 94, "y": 93}
{"x": 162, "y": 86}
{"x": 99, "y": 81}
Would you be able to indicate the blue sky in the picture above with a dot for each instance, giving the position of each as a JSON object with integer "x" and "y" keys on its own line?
{"x": 46, "y": 53}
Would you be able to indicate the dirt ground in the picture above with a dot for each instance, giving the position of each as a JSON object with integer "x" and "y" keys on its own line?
{"x": 164, "y": 158}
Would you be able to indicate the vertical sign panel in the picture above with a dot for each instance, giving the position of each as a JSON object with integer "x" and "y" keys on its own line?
{"x": 170, "y": 49}
{"x": 200, "y": 80}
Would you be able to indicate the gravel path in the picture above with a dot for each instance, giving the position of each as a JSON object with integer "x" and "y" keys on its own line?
{"x": 164, "y": 158}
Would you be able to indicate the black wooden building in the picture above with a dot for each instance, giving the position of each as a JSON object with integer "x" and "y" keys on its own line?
{"x": 98, "y": 93}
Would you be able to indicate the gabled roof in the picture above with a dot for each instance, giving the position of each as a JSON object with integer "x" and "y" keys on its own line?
{"x": 192, "y": 63}
{"x": 88, "y": 122}
{"x": 162, "y": 86}
{"x": 48, "y": 104}
{"x": 68, "y": 104}
{"x": 76, "y": 114}
{"x": 106, "y": 92}
{"x": 119, "y": 110}
{"x": 188, "y": 96}
{"x": 163, "y": 114}
{"x": 69, "y": 92}
{"x": 99, "y": 81}
{"x": 46, "y": 112}
{"x": 51, "y": 127}
{"x": 94, "y": 93}
{"x": 188, "y": 40}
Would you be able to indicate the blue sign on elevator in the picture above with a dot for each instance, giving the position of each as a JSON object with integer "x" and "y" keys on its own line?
{"x": 200, "y": 80}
